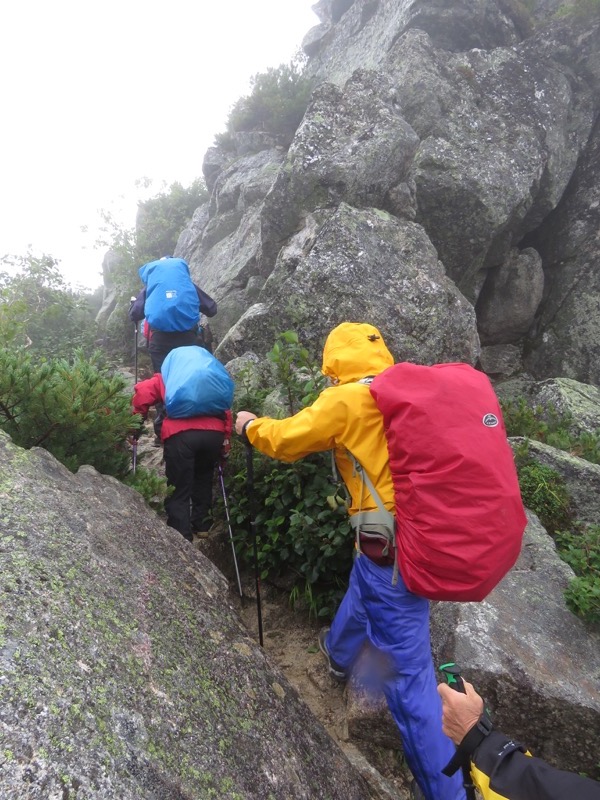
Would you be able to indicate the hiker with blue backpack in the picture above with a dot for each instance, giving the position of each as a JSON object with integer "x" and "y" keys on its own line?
{"x": 197, "y": 393}
{"x": 399, "y": 562}
{"x": 171, "y": 304}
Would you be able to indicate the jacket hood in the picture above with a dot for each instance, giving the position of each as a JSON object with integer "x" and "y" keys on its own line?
{"x": 354, "y": 350}
{"x": 144, "y": 271}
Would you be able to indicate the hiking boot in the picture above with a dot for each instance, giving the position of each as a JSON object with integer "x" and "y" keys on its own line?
{"x": 157, "y": 442}
{"x": 336, "y": 672}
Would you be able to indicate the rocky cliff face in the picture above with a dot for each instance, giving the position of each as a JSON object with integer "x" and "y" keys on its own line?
{"x": 443, "y": 177}
{"x": 124, "y": 670}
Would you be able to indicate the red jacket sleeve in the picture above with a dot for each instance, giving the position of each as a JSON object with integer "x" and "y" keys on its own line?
{"x": 147, "y": 393}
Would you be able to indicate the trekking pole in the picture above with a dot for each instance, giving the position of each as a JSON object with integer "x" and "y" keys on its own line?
{"x": 453, "y": 678}
{"x": 252, "y": 531}
{"x": 134, "y": 445}
{"x": 135, "y": 344}
{"x": 237, "y": 572}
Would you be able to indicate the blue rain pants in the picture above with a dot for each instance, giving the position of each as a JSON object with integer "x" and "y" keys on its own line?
{"x": 396, "y": 622}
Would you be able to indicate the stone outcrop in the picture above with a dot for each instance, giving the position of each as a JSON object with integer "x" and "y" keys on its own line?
{"x": 360, "y": 264}
{"x": 566, "y": 337}
{"x": 124, "y": 671}
{"x": 471, "y": 120}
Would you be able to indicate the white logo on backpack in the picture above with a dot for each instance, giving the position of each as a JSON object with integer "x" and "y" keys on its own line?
{"x": 490, "y": 421}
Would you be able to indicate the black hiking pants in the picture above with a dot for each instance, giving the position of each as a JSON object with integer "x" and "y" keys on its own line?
{"x": 190, "y": 460}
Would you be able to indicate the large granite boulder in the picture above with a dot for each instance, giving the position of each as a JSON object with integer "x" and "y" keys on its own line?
{"x": 566, "y": 339}
{"x": 358, "y": 265}
{"x": 124, "y": 670}
{"x": 468, "y": 118}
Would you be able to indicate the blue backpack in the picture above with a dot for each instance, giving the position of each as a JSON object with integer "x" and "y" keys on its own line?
{"x": 196, "y": 383}
{"x": 172, "y": 302}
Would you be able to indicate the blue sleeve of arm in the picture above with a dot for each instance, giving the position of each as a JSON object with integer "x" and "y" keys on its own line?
{"x": 207, "y": 304}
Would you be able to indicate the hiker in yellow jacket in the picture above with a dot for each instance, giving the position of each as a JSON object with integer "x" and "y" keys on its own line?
{"x": 500, "y": 767}
{"x": 376, "y": 609}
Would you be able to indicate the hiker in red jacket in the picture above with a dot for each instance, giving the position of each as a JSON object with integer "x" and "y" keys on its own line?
{"x": 192, "y": 448}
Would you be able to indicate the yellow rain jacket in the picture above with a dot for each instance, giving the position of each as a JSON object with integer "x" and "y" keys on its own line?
{"x": 343, "y": 418}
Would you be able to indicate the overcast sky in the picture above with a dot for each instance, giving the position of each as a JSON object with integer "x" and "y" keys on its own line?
{"x": 95, "y": 96}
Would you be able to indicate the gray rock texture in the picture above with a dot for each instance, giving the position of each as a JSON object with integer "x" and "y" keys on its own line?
{"x": 566, "y": 338}
{"x": 476, "y": 120}
{"x": 124, "y": 671}
{"x": 361, "y": 264}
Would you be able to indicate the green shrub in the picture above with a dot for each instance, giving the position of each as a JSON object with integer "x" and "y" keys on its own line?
{"x": 544, "y": 492}
{"x": 581, "y": 550}
{"x": 74, "y": 409}
{"x": 298, "y": 535}
{"x": 578, "y": 8}
{"x": 547, "y": 425}
{"x": 40, "y": 313}
{"x": 151, "y": 486}
{"x": 276, "y": 104}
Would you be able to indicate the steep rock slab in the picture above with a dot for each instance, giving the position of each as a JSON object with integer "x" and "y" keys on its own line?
{"x": 566, "y": 340}
{"x": 359, "y": 33}
{"x": 500, "y": 132}
{"x": 353, "y": 146}
{"x": 365, "y": 264}
{"x": 124, "y": 670}
{"x": 223, "y": 243}
{"x": 535, "y": 663}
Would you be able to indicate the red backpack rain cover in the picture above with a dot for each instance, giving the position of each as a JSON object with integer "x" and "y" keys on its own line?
{"x": 459, "y": 514}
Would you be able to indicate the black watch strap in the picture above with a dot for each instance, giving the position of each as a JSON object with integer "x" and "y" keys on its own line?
{"x": 482, "y": 728}
{"x": 245, "y": 425}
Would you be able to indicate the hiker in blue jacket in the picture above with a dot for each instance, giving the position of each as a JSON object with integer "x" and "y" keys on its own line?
{"x": 172, "y": 305}
{"x": 171, "y": 328}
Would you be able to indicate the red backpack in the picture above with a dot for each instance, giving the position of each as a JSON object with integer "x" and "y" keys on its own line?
{"x": 459, "y": 514}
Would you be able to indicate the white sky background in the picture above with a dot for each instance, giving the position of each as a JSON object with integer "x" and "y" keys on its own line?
{"x": 94, "y": 96}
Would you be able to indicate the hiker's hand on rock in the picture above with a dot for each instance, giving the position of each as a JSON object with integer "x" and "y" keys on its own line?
{"x": 241, "y": 419}
{"x": 459, "y": 711}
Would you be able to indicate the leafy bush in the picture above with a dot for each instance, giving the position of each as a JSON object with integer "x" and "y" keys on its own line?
{"x": 546, "y": 424}
{"x": 544, "y": 492}
{"x": 298, "y": 534}
{"x": 151, "y": 486}
{"x": 276, "y": 104}
{"x": 578, "y": 8}
{"x": 76, "y": 410}
{"x": 162, "y": 218}
{"x": 581, "y": 550}
{"x": 39, "y": 312}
